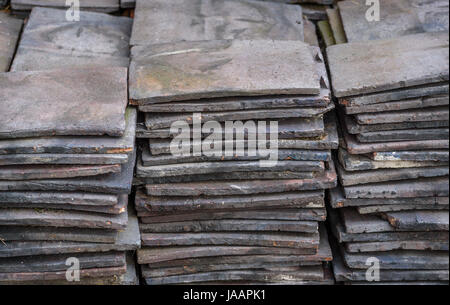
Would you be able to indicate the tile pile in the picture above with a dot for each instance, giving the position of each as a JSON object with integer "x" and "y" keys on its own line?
{"x": 393, "y": 160}
{"x": 224, "y": 218}
{"x": 66, "y": 171}
{"x": 67, "y": 153}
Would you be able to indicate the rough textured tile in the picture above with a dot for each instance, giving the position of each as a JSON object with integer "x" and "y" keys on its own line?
{"x": 301, "y": 274}
{"x": 240, "y": 103}
{"x": 404, "y": 135}
{"x": 423, "y": 102}
{"x": 61, "y": 275}
{"x": 396, "y": 95}
{"x": 419, "y": 220}
{"x": 115, "y": 183}
{"x": 326, "y": 32}
{"x": 250, "y": 102}
{"x": 48, "y": 103}
{"x": 334, "y": 18}
{"x": 162, "y": 254}
{"x": 313, "y": 11}
{"x": 119, "y": 208}
{"x": 390, "y": 66}
{"x": 151, "y": 272}
{"x": 182, "y": 256}
{"x": 62, "y": 159}
{"x": 342, "y": 236}
{"x": 309, "y": 32}
{"x": 397, "y": 18}
{"x": 410, "y": 260}
{"x": 128, "y": 278}
{"x": 362, "y": 162}
{"x": 356, "y": 223}
{"x": 263, "y": 214}
{"x": 65, "y": 148}
{"x": 27, "y": 233}
{"x": 166, "y": 120}
{"x": 209, "y": 69}
{"x": 157, "y": 254}
{"x": 215, "y": 20}
{"x": 284, "y": 240}
{"x": 343, "y": 274}
{"x": 30, "y": 172}
{"x": 311, "y": 199}
{"x": 225, "y": 167}
{"x": 328, "y": 180}
{"x": 231, "y": 225}
{"x": 283, "y": 154}
{"x": 420, "y": 155}
{"x": 59, "y": 218}
{"x": 338, "y": 200}
{"x": 141, "y": 181}
{"x": 287, "y": 128}
{"x": 9, "y": 35}
{"x": 62, "y": 198}
{"x": 329, "y": 141}
{"x": 425, "y": 187}
{"x": 234, "y": 175}
{"x": 14, "y": 269}
{"x": 228, "y": 261}
{"x": 127, "y": 240}
{"x": 415, "y": 244}
{"x": 400, "y": 207}
{"x": 348, "y": 178}
{"x": 49, "y": 41}
{"x": 415, "y": 115}
{"x": 355, "y": 128}
{"x": 354, "y": 147}
{"x": 106, "y": 6}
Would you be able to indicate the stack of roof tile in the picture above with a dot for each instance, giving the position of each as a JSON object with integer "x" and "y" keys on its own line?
{"x": 393, "y": 159}
{"x": 67, "y": 153}
{"x": 218, "y": 218}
